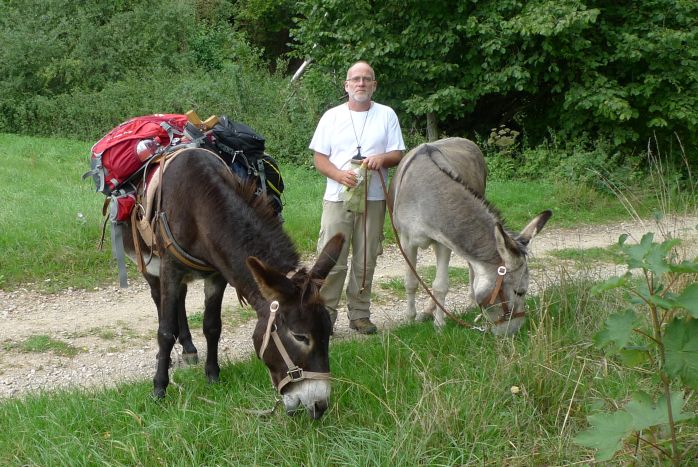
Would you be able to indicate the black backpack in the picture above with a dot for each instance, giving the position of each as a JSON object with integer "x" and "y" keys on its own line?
{"x": 243, "y": 150}
{"x": 231, "y": 137}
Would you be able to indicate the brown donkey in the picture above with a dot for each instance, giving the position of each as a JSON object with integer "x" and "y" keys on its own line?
{"x": 216, "y": 230}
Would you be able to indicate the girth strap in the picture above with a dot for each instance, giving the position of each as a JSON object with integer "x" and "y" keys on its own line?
{"x": 177, "y": 251}
{"x": 117, "y": 248}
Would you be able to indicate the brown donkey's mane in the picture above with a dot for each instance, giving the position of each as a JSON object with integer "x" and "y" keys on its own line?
{"x": 225, "y": 217}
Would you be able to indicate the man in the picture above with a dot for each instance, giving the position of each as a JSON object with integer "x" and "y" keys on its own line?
{"x": 358, "y": 129}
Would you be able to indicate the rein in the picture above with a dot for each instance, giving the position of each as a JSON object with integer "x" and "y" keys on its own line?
{"x": 294, "y": 372}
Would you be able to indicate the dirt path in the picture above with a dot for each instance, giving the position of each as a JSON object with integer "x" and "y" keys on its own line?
{"x": 114, "y": 329}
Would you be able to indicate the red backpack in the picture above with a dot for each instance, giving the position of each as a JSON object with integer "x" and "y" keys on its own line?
{"x": 114, "y": 157}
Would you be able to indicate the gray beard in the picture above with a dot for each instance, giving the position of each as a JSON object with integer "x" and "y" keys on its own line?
{"x": 361, "y": 99}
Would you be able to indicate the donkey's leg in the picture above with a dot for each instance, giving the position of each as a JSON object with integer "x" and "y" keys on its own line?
{"x": 471, "y": 277}
{"x": 167, "y": 328}
{"x": 214, "y": 288}
{"x": 189, "y": 352}
{"x": 440, "y": 285}
{"x": 154, "y": 282}
{"x": 410, "y": 280}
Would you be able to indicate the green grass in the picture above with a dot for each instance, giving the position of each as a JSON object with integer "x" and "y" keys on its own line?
{"x": 609, "y": 254}
{"x": 43, "y": 344}
{"x": 411, "y": 396}
{"x": 51, "y": 221}
{"x": 456, "y": 277}
{"x": 231, "y": 316}
{"x": 572, "y": 205}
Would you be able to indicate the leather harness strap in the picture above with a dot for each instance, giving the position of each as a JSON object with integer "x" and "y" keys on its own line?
{"x": 506, "y": 312}
{"x": 177, "y": 251}
{"x": 501, "y": 271}
{"x": 294, "y": 373}
{"x": 159, "y": 222}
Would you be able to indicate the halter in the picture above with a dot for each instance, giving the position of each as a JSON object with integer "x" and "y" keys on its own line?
{"x": 506, "y": 312}
{"x": 294, "y": 372}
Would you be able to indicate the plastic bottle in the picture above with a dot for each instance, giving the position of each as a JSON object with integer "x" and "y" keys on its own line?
{"x": 146, "y": 148}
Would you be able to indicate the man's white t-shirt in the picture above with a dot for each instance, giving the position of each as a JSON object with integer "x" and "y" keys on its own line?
{"x": 341, "y": 130}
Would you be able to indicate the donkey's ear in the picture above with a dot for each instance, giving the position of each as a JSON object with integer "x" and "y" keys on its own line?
{"x": 535, "y": 226}
{"x": 508, "y": 249}
{"x": 328, "y": 257}
{"x": 272, "y": 284}
{"x": 506, "y": 246}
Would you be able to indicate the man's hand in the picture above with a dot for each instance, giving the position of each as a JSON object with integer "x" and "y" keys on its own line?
{"x": 383, "y": 161}
{"x": 347, "y": 178}
{"x": 375, "y": 162}
{"x": 327, "y": 168}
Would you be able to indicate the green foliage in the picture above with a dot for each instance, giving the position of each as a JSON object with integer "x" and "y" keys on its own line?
{"x": 641, "y": 413}
{"x": 669, "y": 345}
{"x": 59, "y": 45}
{"x": 266, "y": 24}
{"x": 82, "y": 68}
{"x": 682, "y": 351}
{"x": 601, "y": 77}
{"x": 620, "y": 71}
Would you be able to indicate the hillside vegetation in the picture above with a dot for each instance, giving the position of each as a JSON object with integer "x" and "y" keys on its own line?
{"x": 570, "y": 88}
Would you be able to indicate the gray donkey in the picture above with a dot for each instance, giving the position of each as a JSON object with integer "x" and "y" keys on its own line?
{"x": 437, "y": 197}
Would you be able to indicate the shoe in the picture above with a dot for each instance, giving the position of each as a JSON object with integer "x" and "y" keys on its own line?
{"x": 363, "y": 326}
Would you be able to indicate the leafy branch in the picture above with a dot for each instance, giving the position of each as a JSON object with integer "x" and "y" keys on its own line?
{"x": 670, "y": 347}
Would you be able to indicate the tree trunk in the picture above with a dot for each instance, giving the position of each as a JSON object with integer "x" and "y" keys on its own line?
{"x": 432, "y": 127}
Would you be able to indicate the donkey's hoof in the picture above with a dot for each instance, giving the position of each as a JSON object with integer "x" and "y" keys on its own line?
{"x": 159, "y": 394}
{"x": 190, "y": 358}
{"x": 423, "y": 317}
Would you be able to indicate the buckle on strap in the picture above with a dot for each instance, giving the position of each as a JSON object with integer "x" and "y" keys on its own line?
{"x": 296, "y": 374}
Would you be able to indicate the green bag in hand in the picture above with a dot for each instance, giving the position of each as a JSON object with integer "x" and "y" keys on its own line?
{"x": 355, "y": 198}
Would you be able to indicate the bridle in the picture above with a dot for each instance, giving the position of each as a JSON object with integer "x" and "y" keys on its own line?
{"x": 294, "y": 372}
{"x": 497, "y": 292}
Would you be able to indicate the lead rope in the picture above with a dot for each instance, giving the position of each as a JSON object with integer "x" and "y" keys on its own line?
{"x": 363, "y": 275}
{"x": 358, "y": 153}
{"x": 412, "y": 268}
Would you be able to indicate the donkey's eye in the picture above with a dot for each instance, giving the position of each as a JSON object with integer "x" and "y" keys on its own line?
{"x": 302, "y": 338}
{"x": 520, "y": 293}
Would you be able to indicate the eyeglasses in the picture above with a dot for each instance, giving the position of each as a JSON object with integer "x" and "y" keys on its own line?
{"x": 358, "y": 79}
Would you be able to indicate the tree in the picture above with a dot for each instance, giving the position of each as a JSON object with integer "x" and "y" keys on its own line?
{"x": 620, "y": 70}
